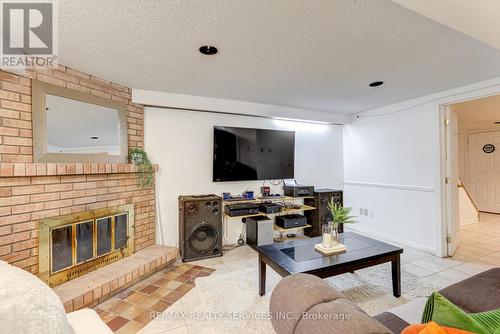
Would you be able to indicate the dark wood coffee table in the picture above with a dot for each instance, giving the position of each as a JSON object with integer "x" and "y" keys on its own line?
{"x": 299, "y": 256}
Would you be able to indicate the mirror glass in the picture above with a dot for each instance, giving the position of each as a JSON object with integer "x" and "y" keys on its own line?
{"x": 81, "y": 128}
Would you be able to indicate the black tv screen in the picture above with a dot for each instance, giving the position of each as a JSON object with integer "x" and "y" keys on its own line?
{"x": 244, "y": 154}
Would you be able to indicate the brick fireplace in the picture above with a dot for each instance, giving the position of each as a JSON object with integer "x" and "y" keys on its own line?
{"x": 30, "y": 192}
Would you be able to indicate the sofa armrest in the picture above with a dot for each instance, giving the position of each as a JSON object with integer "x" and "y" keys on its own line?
{"x": 295, "y": 295}
{"x": 393, "y": 322}
{"x": 304, "y": 304}
{"x": 86, "y": 321}
{"x": 475, "y": 294}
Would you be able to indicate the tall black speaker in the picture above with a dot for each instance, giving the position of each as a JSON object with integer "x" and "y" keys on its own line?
{"x": 322, "y": 214}
{"x": 200, "y": 227}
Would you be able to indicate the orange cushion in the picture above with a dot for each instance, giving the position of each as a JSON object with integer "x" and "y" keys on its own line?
{"x": 432, "y": 328}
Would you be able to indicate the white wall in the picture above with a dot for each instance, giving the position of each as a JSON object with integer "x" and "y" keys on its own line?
{"x": 392, "y": 164}
{"x": 181, "y": 143}
{"x": 390, "y": 170}
{"x": 392, "y": 159}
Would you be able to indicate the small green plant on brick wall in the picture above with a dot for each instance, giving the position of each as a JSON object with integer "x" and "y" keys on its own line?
{"x": 140, "y": 158}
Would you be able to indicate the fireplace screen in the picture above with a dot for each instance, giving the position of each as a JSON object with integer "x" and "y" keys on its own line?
{"x": 104, "y": 236}
{"x": 75, "y": 244}
{"x": 120, "y": 231}
{"x": 84, "y": 241}
{"x": 62, "y": 248}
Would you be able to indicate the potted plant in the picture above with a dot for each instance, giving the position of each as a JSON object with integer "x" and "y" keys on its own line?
{"x": 140, "y": 158}
{"x": 340, "y": 215}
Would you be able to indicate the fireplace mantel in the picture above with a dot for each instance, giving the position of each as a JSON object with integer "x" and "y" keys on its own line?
{"x": 55, "y": 169}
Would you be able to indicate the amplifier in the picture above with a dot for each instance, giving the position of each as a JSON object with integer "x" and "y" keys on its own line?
{"x": 241, "y": 209}
{"x": 298, "y": 190}
{"x": 259, "y": 231}
{"x": 291, "y": 221}
{"x": 268, "y": 207}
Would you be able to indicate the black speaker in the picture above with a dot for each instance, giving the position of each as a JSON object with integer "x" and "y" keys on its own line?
{"x": 322, "y": 214}
{"x": 200, "y": 227}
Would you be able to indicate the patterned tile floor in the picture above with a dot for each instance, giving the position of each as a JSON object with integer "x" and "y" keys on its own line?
{"x": 133, "y": 308}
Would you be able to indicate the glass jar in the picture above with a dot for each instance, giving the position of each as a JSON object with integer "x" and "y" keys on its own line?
{"x": 334, "y": 228}
{"x": 335, "y": 233}
{"x": 327, "y": 236}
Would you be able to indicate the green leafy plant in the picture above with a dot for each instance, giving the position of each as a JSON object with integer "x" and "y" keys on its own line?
{"x": 140, "y": 158}
{"x": 340, "y": 214}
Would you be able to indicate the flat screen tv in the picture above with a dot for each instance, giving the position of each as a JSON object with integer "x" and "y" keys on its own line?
{"x": 244, "y": 154}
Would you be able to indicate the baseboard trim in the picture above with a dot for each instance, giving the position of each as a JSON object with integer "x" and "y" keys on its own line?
{"x": 391, "y": 239}
{"x": 392, "y": 186}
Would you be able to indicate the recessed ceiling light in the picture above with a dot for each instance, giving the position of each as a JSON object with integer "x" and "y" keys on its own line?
{"x": 94, "y": 137}
{"x": 376, "y": 84}
{"x": 208, "y": 50}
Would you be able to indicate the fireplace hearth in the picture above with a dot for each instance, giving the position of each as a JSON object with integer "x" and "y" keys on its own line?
{"x": 75, "y": 244}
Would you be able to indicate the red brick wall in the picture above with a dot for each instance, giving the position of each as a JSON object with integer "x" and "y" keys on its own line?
{"x": 32, "y": 191}
{"x": 25, "y": 200}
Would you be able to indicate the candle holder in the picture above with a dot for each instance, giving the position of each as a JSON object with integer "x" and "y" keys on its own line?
{"x": 331, "y": 240}
{"x": 327, "y": 236}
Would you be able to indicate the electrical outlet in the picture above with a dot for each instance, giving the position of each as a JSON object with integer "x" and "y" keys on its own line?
{"x": 365, "y": 212}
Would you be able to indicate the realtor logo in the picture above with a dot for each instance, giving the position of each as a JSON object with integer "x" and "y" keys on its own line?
{"x": 28, "y": 34}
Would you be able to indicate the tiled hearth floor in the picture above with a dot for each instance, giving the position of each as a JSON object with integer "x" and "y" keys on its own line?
{"x": 133, "y": 308}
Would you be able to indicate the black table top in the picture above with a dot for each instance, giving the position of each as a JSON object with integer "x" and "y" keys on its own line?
{"x": 299, "y": 256}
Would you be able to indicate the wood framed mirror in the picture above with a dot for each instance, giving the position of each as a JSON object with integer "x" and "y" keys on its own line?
{"x": 72, "y": 126}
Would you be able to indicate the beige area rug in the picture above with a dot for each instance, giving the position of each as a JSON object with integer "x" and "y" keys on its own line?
{"x": 229, "y": 302}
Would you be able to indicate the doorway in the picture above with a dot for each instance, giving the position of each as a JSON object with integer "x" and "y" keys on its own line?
{"x": 472, "y": 162}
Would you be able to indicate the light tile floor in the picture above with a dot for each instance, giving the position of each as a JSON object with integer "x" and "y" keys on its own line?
{"x": 480, "y": 242}
{"x": 478, "y": 251}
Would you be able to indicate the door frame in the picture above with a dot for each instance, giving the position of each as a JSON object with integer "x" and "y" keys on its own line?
{"x": 444, "y": 230}
{"x": 450, "y": 169}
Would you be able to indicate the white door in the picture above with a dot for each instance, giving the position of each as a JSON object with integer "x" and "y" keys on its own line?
{"x": 452, "y": 209}
{"x": 483, "y": 170}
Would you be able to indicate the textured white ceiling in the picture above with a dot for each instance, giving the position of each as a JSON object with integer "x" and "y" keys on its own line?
{"x": 479, "y": 114}
{"x": 317, "y": 55}
{"x": 478, "y": 18}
